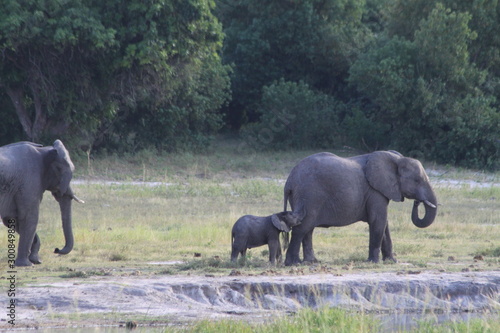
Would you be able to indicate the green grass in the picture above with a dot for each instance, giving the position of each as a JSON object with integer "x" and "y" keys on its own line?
{"x": 122, "y": 228}
{"x": 129, "y": 225}
{"x": 226, "y": 159}
{"x": 320, "y": 320}
{"x": 333, "y": 320}
{"x": 472, "y": 326}
{"x": 306, "y": 320}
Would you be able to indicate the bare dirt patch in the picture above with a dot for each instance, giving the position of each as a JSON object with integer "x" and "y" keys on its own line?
{"x": 111, "y": 300}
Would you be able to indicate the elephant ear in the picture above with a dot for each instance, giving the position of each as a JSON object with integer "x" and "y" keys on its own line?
{"x": 381, "y": 171}
{"x": 279, "y": 224}
{"x": 64, "y": 167}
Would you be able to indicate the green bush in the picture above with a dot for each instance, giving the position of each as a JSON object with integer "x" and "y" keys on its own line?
{"x": 186, "y": 121}
{"x": 362, "y": 130}
{"x": 295, "y": 116}
{"x": 430, "y": 95}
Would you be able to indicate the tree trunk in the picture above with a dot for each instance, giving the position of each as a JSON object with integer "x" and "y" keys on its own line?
{"x": 33, "y": 129}
{"x": 16, "y": 96}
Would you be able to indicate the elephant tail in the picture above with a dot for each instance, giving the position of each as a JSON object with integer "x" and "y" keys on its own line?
{"x": 287, "y": 194}
{"x": 296, "y": 206}
{"x": 286, "y": 240}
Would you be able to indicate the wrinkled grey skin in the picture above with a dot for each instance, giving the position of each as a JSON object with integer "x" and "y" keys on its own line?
{"x": 253, "y": 231}
{"x": 27, "y": 170}
{"x": 325, "y": 190}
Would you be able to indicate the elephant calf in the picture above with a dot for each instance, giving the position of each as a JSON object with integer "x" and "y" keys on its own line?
{"x": 253, "y": 231}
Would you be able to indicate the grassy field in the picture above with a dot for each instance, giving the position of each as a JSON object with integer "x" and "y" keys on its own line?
{"x": 201, "y": 196}
{"x": 333, "y": 320}
{"x": 188, "y": 214}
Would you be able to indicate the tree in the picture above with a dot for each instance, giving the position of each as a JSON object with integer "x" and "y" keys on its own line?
{"x": 86, "y": 67}
{"x": 313, "y": 41}
{"x": 430, "y": 93}
{"x": 295, "y": 116}
{"x": 171, "y": 75}
{"x": 404, "y": 17}
{"x": 46, "y": 67}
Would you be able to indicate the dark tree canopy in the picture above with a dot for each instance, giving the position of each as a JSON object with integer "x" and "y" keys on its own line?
{"x": 90, "y": 66}
{"x": 422, "y": 80}
{"x": 49, "y": 54}
{"x": 267, "y": 40}
{"x": 418, "y": 76}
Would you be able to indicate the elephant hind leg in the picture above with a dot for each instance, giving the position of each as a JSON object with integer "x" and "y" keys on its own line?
{"x": 307, "y": 248}
{"x": 292, "y": 253}
{"x": 35, "y": 247}
{"x": 235, "y": 252}
{"x": 241, "y": 253}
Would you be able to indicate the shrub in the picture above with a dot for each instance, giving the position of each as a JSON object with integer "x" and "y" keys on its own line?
{"x": 295, "y": 116}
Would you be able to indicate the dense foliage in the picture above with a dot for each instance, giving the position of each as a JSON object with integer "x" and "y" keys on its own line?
{"x": 419, "y": 76}
{"x": 117, "y": 73}
{"x": 430, "y": 93}
{"x": 294, "y": 116}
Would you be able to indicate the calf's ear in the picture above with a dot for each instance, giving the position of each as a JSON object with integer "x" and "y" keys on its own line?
{"x": 279, "y": 224}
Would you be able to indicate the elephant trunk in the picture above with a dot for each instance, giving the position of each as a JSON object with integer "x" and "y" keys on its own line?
{"x": 65, "y": 206}
{"x": 430, "y": 212}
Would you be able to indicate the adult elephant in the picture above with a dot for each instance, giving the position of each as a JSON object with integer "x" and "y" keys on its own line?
{"x": 326, "y": 190}
{"x": 27, "y": 170}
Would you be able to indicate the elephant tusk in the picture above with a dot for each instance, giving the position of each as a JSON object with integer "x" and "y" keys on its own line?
{"x": 430, "y": 204}
{"x": 74, "y": 197}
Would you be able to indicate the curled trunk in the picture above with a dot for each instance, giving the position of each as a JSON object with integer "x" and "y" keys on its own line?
{"x": 430, "y": 213}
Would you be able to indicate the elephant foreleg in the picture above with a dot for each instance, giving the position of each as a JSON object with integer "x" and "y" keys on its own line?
{"x": 26, "y": 237}
{"x": 377, "y": 232}
{"x": 387, "y": 246}
{"x": 35, "y": 247}
{"x": 307, "y": 248}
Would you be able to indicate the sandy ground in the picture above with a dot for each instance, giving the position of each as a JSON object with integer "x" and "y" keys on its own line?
{"x": 165, "y": 299}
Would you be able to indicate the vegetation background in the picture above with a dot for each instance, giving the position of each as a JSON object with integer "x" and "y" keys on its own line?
{"x": 419, "y": 76}
{"x": 139, "y": 90}
{"x": 148, "y": 215}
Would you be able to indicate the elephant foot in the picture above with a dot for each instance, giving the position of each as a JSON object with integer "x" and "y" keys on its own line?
{"x": 35, "y": 260}
{"x": 390, "y": 260}
{"x": 22, "y": 262}
{"x": 293, "y": 261}
{"x": 373, "y": 260}
{"x": 310, "y": 261}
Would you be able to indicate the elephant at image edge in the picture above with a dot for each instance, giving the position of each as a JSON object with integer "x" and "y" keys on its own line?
{"x": 27, "y": 170}
{"x": 326, "y": 190}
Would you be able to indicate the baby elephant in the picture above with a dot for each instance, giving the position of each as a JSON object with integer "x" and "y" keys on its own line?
{"x": 253, "y": 231}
